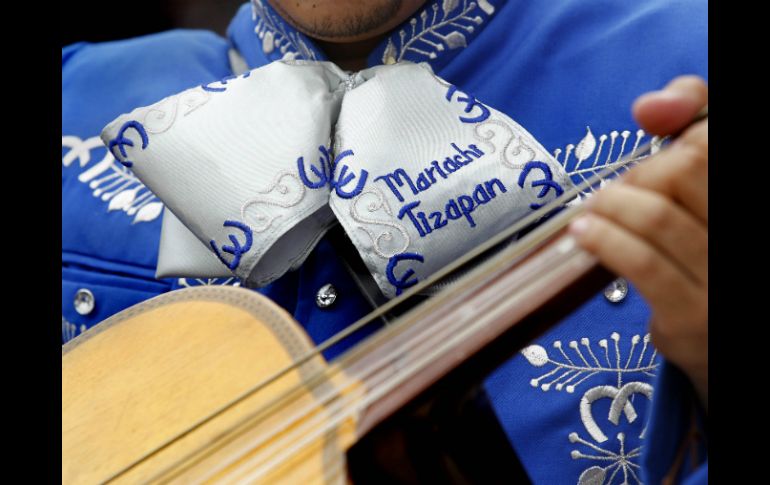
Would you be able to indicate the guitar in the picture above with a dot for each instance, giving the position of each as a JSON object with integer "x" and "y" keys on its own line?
{"x": 219, "y": 384}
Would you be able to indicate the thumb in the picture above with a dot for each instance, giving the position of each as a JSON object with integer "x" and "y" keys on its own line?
{"x": 667, "y": 111}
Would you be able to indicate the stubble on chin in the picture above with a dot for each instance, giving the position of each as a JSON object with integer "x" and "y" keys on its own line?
{"x": 346, "y": 22}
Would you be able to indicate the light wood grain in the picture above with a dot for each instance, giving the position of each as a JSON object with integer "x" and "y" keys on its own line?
{"x": 147, "y": 374}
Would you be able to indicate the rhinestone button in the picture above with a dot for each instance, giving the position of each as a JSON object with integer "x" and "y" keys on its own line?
{"x": 84, "y": 301}
{"x": 326, "y": 296}
{"x": 616, "y": 291}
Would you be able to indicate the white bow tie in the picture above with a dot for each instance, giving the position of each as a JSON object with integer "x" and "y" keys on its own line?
{"x": 418, "y": 171}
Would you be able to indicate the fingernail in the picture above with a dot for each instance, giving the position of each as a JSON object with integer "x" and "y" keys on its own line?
{"x": 579, "y": 226}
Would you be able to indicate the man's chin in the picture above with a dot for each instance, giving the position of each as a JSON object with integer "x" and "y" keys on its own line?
{"x": 345, "y": 21}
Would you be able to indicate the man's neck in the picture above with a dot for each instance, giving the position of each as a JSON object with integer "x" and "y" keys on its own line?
{"x": 350, "y": 56}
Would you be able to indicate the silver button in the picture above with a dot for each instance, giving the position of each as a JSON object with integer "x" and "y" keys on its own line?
{"x": 84, "y": 301}
{"x": 616, "y": 291}
{"x": 326, "y": 296}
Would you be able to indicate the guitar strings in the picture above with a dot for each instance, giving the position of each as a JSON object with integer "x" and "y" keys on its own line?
{"x": 324, "y": 402}
{"x": 302, "y": 437}
{"x": 305, "y": 435}
{"x": 455, "y": 332}
{"x": 557, "y": 203}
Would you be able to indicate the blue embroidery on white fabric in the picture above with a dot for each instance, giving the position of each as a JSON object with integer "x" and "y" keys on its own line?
{"x": 546, "y": 182}
{"x": 344, "y": 178}
{"x": 327, "y": 174}
{"x": 207, "y": 87}
{"x": 456, "y": 208}
{"x": 403, "y": 282}
{"x": 438, "y": 32}
{"x": 223, "y": 82}
{"x": 569, "y": 373}
{"x": 584, "y": 166}
{"x": 274, "y": 33}
{"x": 121, "y": 141}
{"x": 398, "y": 177}
{"x": 237, "y": 250}
{"x": 471, "y": 103}
{"x": 322, "y": 173}
{"x": 426, "y": 177}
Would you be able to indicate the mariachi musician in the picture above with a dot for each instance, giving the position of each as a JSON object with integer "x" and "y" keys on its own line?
{"x": 562, "y": 78}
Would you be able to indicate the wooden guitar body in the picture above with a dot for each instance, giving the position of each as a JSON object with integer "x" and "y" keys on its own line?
{"x": 140, "y": 379}
{"x": 220, "y": 385}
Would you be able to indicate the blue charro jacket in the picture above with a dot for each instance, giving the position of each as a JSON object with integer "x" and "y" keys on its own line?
{"x": 568, "y": 74}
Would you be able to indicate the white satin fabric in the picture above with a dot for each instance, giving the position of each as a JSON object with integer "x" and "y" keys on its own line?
{"x": 254, "y": 170}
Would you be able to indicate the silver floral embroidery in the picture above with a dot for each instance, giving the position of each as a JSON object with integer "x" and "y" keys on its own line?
{"x": 111, "y": 181}
{"x": 620, "y": 403}
{"x": 620, "y": 460}
{"x": 261, "y": 220}
{"x": 372, "y": 206}
{"x": 274, "y": 35}
{"x": 510, "y": 152}
{"x": 69, "y": 330}
{"x": 187, "y": 283}
{"x": 161, "y": 116}
{"x": 569, "y": 372}
{"x": 538, "y": 357}
{"x": 433, "y": 32}
{"x": 585, "y": 166}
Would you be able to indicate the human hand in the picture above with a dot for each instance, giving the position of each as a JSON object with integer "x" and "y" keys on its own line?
{"x": 651, "y": 227}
